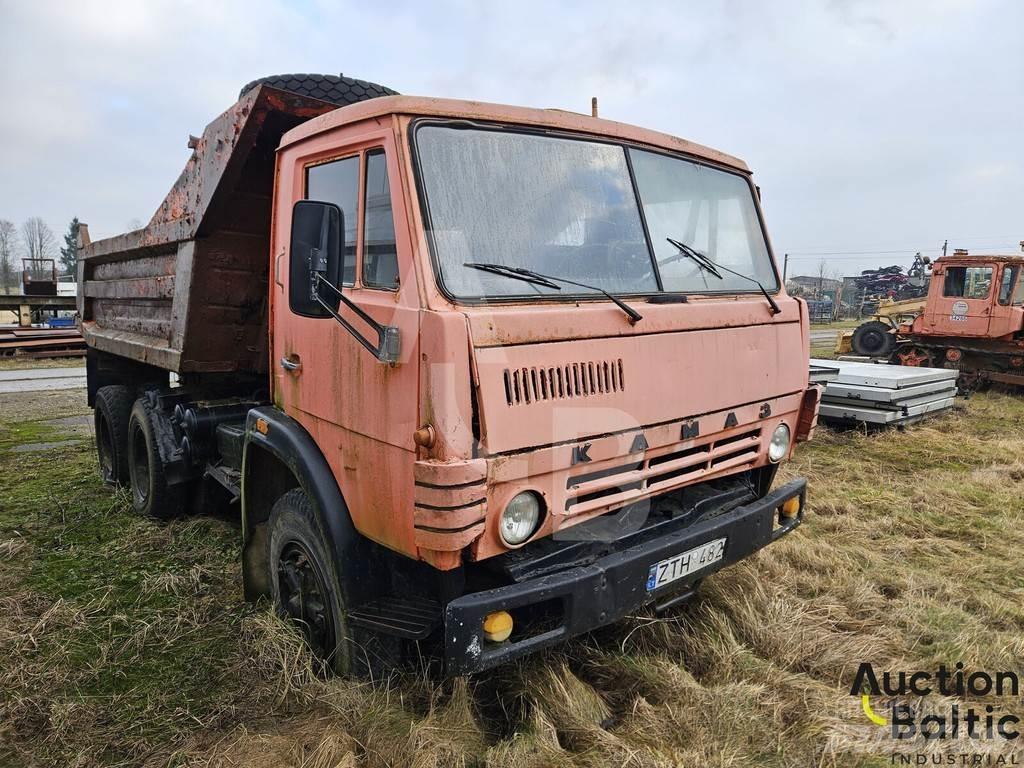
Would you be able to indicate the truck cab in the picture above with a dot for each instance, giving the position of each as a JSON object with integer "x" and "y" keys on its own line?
{"x": 526, "y": 371}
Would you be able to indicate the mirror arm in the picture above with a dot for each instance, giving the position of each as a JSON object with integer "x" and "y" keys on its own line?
{"x": 387, "y": 348}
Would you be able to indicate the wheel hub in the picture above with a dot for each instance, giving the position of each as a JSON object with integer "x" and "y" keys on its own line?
{"x": 873, "y": 341}
{"x": 304, "y": 598}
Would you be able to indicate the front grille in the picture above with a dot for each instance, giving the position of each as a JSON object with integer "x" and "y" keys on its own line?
{"x": 631, "y": 479}
{"x": 536, "y": 384}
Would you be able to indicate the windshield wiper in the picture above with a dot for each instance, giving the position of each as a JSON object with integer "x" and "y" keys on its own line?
{"x": 713, "y": 266}
{"x": 529, "y": 276}
{"x": 685, "y": 251}
{"x": 516, "y": 273}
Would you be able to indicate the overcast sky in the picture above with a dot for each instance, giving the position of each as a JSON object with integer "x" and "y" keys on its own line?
{"x": 870, "y": 126}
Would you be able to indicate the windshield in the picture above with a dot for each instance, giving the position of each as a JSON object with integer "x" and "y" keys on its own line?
{"x": 709, "y": 210}
{"x": 567, "y": 208}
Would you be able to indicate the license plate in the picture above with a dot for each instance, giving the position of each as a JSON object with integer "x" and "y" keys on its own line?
{"x": 684, "y": 564}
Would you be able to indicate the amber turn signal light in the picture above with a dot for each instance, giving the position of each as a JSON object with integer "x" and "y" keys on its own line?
{"x": 790, "y": 508}
{"x": 498, "y": 626}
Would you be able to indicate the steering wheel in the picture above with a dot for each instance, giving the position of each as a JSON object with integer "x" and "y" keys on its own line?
{"x": 633, "y": 259}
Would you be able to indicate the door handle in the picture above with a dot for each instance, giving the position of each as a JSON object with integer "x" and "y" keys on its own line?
{"x": 290, "y": 365}
{"x": 277, "y": 269}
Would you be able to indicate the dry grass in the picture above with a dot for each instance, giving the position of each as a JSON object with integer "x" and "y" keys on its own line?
{"x": 21, "y": 363}
{"x": 20, "y": 410}
{"x": 123, "y": 642}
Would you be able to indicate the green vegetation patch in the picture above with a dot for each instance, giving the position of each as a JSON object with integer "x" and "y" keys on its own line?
{"x": 124, "y": 636}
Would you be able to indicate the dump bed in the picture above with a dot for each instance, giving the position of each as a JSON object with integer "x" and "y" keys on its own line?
{"x": 188, "y": 292}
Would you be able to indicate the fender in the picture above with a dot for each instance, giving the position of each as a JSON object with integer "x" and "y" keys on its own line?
{"x": 288, "y": 440}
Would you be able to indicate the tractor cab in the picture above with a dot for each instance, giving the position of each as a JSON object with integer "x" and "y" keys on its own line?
{"x": 974, "y": 296}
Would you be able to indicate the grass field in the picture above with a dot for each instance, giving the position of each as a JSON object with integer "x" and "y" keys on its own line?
{"x": 126, "y": 642}
{"x": 838, "y": 325}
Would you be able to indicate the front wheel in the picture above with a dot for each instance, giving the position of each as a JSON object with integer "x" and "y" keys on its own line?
{"x": 304, "y": 584}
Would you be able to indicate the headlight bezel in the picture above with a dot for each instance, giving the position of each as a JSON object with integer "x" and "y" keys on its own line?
{"x": 775, "y": 455}
{"x": 533, "y": 524}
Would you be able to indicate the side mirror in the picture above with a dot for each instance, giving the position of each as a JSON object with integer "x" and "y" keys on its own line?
{"x": 315, "y": 252}
{"x": 315, "y": 271}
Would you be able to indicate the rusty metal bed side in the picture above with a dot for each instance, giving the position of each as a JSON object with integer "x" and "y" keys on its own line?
{"x": 188, "y": 291}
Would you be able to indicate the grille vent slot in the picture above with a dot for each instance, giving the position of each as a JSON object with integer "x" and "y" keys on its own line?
{"x": 531, "y": 385}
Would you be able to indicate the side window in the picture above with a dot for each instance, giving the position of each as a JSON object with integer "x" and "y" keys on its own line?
{"x": 967, "y": 282}
{"x": 380, "y": 256}
{"x": 338, "y": 182}
{"x": 1006, "y": 285}
{"x": 1018, "y": 294}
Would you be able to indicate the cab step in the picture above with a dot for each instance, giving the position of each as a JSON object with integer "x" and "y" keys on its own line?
{"x": 408, "y": 618}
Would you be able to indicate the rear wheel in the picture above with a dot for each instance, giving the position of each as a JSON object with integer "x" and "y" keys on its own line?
{"x": 110, "y": 419}
{"x": 151, "y": 494}
{"x": 304, "y": 584}
{"x": 873, "y": 339}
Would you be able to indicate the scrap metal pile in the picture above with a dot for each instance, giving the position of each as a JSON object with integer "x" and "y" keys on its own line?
{"x": 41, "y": 342}
{"x": 886, "y": 395}
{"x": 889, "y": 282}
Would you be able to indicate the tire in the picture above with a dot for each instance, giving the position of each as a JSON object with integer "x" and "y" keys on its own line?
{"x": 110, "y": 420}
{"x": 304, "y": 583}
{"x": 336, "y": 89}
{"x": 873, "y": 339}
{"x": 151, "y": 495}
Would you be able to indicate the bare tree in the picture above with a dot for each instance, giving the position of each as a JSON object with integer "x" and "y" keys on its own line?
{"x": 825, "y": 272}
{"x": 37, "y": 239}
{"x": 8, "y": 246}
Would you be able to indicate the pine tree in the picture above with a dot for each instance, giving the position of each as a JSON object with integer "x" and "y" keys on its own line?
{"x": 69, "y": 253}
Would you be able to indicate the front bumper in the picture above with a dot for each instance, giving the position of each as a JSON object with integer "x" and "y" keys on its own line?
{"x": 591, "y": 596}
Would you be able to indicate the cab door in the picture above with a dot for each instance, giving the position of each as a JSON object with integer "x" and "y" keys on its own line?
{"x": 361, "y": 412}
{"x": 961, "y": 300}
{"x": 1006, "y": 314}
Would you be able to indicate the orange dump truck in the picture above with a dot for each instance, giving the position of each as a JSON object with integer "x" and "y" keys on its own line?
{"x": 479, "y": 377}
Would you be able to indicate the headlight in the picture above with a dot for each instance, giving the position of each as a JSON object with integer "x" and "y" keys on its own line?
{"x": 520, "y": 518}
{"x": 778, "y": 447}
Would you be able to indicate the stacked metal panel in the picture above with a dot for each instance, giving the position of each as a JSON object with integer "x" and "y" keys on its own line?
{"x": 823, "y": 372}
{"x": 884, "y": 394}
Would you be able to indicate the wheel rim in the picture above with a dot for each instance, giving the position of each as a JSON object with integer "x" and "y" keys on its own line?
{"x": 304, "y": 598}
{"x": 872, "y": 342}
{"x": 139, "y": 467}
{"x": 104, "y": 443}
